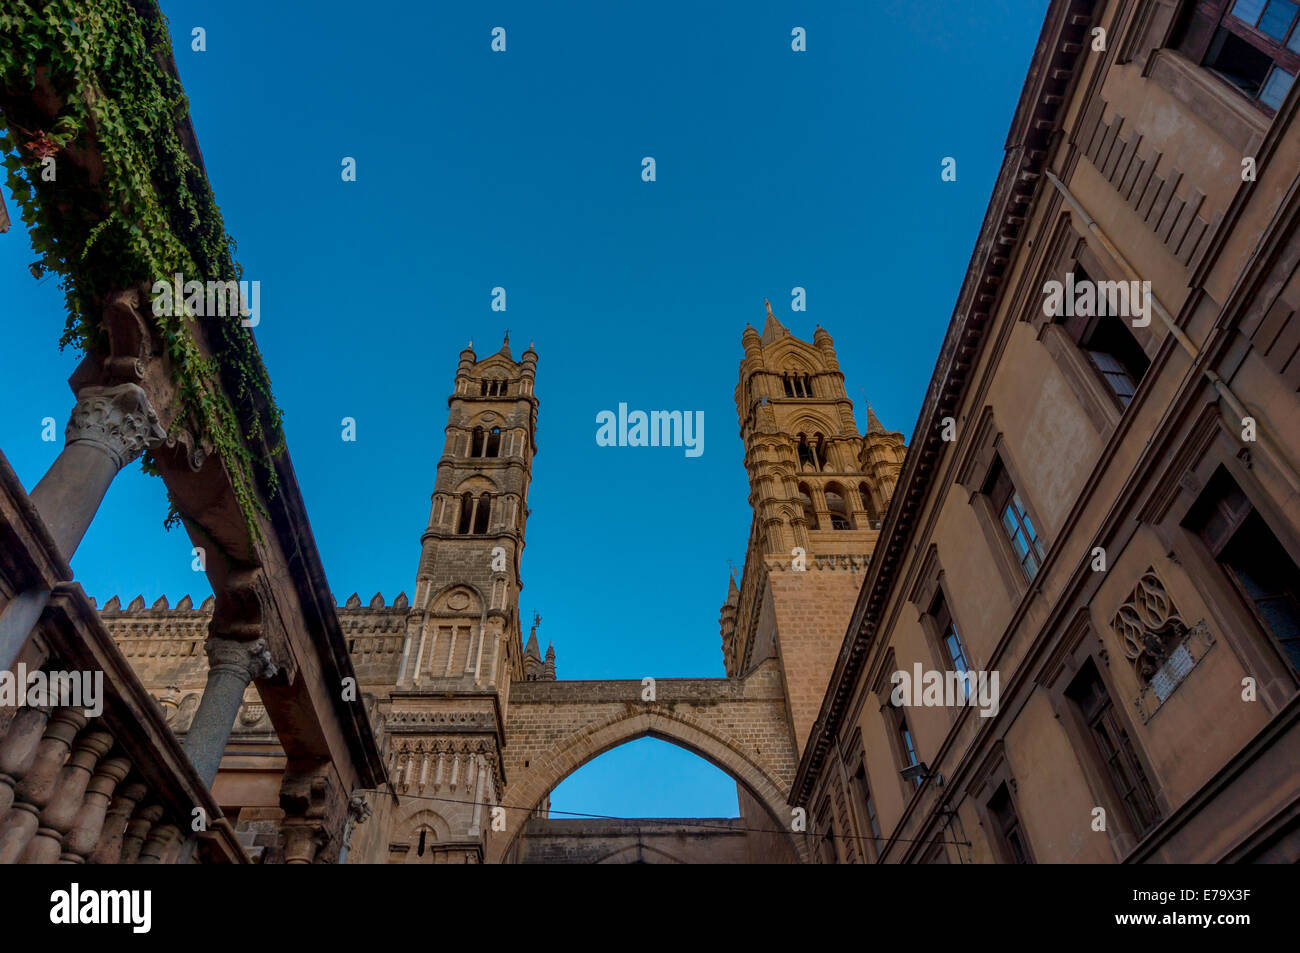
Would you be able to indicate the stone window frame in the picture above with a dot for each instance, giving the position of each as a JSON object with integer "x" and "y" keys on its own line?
{"x": 889, "y": 713}
{"x": 994, "y": 773}
{"x": 976, "y": 467}
{"x": 1210, "y": 444}
{"x": 1210, "y": 99}
{"x": 1066, "y": 250}
{"x": 1078, "y": 645}
{"x": 872, "y": 843}
{"x": 929, "y": 587}
{"x": 824, "y": 829}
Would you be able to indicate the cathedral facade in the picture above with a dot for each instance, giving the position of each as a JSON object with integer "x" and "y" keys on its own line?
{"x": 438, "y": 672}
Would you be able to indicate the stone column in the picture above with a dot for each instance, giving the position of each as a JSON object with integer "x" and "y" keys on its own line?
{"x": 137, "y": 829}
{"x": 232, "y": 664}
{"x": 19, "y": 823}
{"x": 69, "y": 791}
{"x": 109, "y": 848}
{"x": 90, "y": 821}
{"x": 314, "y": 814}
{"x": 18, "y": 750}
{"x": 109, "y": 427}
{"x": 157, "y": 846}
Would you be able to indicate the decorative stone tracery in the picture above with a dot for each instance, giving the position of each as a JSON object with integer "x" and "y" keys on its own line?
{"x": 1149, "y": 626}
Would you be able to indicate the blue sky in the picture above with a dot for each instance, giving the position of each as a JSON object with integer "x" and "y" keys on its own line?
{"x": 522, "y": 169}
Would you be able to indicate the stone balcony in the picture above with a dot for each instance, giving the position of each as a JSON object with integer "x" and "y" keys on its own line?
{"x": 89, "y": 770}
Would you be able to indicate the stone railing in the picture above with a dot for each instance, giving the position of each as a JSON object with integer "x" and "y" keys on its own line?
{"x": 89, "y": 771}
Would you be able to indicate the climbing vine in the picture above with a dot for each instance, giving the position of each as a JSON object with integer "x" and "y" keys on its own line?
{"x": 87, "y": 84}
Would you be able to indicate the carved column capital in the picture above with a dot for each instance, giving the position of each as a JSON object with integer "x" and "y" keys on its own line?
{"x": 315, "y": 815}
{"x": 247, "y": 659}
{"x": 117, "y": 419}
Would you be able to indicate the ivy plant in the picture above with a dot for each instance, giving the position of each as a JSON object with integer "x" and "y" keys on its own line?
{"x": 128, "y": 205}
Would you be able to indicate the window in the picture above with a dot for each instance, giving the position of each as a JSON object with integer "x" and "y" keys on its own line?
{"x": 797, "y": 385}
{"x": 1118, "y": 756}
{"x": 1254, "y": 45}
{"x": 867, "y": 806}
{"x": 483, "y": 509}
{"x": 1260, "y": 568}
{"x": 812, "y": 454}
{"x": 485, "y": 444}
{"x": 1007, "y": 821}
{"x": 466, "y": 514}
{"x": 1109, "y": 345}
{"x": 838, "y": 508}
{"x": 805, "y": 500}
{"x": 474, "y": 514}
{"x": 954, "y": 649}
{"x": 864, "y": 493}
{"x": 906, "y": 744}
{"x": 1011, "y": 513}
{"x": 826, "y": 844}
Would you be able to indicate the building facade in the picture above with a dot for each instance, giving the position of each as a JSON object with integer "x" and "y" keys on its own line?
{"x": 1097, "y": 524}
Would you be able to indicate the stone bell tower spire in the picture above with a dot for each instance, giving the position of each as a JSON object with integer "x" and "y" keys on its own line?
{"x": 464, "y": 627}
{"x": 462, "y": 648}
{"x": 819, "y": 489}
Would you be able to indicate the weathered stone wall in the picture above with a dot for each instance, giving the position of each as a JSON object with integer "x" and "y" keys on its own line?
{"x": 638, "y": 840}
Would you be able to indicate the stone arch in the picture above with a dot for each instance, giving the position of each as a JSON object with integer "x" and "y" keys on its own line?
{"x": 476, "y": 483}
{"x": 585, "y": 743}
{"x": 810, "y": 422}
{"x": 417, "y": 818}
{"x": 413, "y": 820}
{"x": 458, "y": 598}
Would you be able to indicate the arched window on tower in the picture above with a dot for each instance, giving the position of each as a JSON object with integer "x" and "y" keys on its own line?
{"x": 812, "y": 453}
{"x": 839, "y": 509}
{"x": 466, "y": 519}
{"x": 864, "y": 492}
{"x": 494, "y": 442}
{"x": 788, "y": 385}
{"x": 809, "y": 511}
{"x": 483, "y": 509}
{"x": 807, "y": 454}
{"x": 476, "y": 443}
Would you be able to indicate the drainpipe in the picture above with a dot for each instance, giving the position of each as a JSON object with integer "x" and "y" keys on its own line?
{"x": 1221, "y": 386}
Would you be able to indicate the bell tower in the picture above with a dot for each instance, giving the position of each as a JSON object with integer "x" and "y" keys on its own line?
{"x": 468, "y": 580}
{"x": 819, "y": 490}
{"x": 462, "y": 647}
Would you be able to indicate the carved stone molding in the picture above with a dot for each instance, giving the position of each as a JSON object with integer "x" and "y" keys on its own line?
{"x": 314, "y": 815}
{"x": 1148, "y": 625}
{"x": 1160, "y": 646}
{"x": 118, "y": 420}
{"x": 243, "y": 657}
